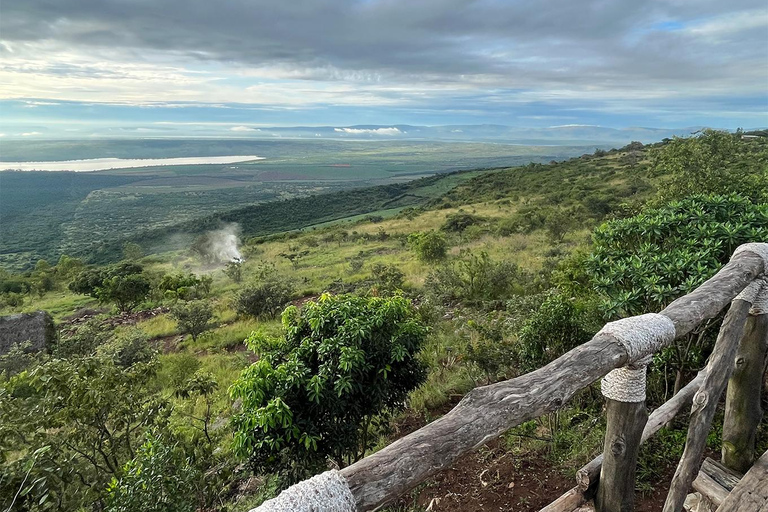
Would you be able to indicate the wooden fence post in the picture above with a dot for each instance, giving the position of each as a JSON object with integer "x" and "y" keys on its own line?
{"x": 705, "y": 401}
{"x": 743, "y": 412}
{"x": 624, "y": 390}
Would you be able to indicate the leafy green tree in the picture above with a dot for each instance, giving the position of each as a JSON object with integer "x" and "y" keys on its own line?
{"x": 474, "y": 279}
{"x": 314, "y": 394}
{"x": 430, "y": 246}
{"x": 193, "y": 318}
{"x": 68, "y": 427}
{"x": 161, "y": 478}
{"x": 234, "y": 271}
{"x": 642, "y": 263}
{"x": 265, "y": 299}
{"x": 126, "y": 292}
{"x": 123, "y": 284}
{"x": 132, "y": 251}
{"x": 713, "y": 162}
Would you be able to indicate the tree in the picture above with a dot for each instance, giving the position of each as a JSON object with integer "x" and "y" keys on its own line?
{"x": 430, "y": 246}
{"x": 642, "y": 263}
{"x": 132, "y": 251}
{"x": 265, "y": 299}
{"x": 123, "y": 284}
{"x": 69, "y": 426}
{"x": 713, "y": 162}
{"x": 193, "y": 318}
{"x": 314, "y": 393}
{"x": 234, "y": 270}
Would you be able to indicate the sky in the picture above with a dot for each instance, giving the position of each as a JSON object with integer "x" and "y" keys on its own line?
{"x": 90, "y": 68}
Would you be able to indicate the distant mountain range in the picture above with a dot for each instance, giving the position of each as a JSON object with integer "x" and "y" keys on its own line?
{"x": 556, "y": 135}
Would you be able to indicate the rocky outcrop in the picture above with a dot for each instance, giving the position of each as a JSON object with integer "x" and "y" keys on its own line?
{"x": 37, "y": 328}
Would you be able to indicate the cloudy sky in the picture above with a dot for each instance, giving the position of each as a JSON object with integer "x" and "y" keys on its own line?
{"x": 144, "y": 66}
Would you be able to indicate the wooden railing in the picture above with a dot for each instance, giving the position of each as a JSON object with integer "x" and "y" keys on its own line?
{"x": 487, "y": 412}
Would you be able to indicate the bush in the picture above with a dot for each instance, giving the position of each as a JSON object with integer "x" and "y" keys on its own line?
{"x": 552, "y": 330}
{"x": 476, "y": 279}
{"x": 127, "y": 349}
{"x": 429, "y": 247}
{"x": 458, "y": 222}
{"x": 159, "y": 479}
{"x": 315, "y": 393}
{"x": 193, "y": 318}
{"x": 387, "y": 278}
{"x": 266, "y": 299}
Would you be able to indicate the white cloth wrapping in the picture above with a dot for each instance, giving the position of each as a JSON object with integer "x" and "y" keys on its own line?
{"x": 759, "y": 248}
{"x": 641, "y": 336}
{"x": 326, "y": 492}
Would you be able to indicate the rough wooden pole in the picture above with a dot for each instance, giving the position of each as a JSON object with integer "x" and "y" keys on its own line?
{"x": 588, "y": 476}
{"x": 743, "y": 411}
{"x": 616, "y": 489}
{"x": 705, "y": 402}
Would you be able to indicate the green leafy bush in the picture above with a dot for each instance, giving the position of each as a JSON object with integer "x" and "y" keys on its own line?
{"x": 193, "y": 318}
{"x": 642, "y": 263}
{"x": 159, "y": 479}
{"x": 314, "y": 394}
{"x": 458, "y": 222}
{"x": 265, "y": 299}
{"x": 713, "y": 162}
{"x": 429, "y": 247}
{"x": 476, "y": 279}
{"x": 552, "y": 330}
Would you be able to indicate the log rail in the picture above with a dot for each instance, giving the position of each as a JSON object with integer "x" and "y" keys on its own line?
{"x": 487, "y": 412}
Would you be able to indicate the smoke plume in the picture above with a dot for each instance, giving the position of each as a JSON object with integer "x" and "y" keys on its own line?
{"x": 220, "y": 246}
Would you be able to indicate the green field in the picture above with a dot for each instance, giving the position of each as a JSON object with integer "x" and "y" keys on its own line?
{"x": 46, "y": 214}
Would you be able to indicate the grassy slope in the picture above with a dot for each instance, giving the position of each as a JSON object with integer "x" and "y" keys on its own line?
{"x": 495, "y": 196}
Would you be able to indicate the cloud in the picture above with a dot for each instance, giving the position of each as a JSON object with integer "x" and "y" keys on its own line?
{"x": 490, "y": 58}
{"x": 372, "y": 131}
{"x": 30, "y": 134}
{"x": 243, "y": 129}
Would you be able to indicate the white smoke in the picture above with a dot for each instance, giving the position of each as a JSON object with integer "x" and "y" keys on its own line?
{"x": 220, "y": 246}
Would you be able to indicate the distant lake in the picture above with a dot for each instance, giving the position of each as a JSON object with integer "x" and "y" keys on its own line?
{"x": 103, "y": 164}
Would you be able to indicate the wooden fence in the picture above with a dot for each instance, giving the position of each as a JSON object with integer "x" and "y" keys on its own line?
{"x": 622, "y": 348}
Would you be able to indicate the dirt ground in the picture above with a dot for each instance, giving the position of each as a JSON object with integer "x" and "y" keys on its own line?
{"x": 495, "y": 479}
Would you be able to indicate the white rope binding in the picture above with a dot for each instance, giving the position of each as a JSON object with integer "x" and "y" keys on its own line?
{"x": 626, "y": 384}
{"x": 640, "y": 336}
{"x": 326, "y": 492}
{"x": 759, "y": 248}
{"x": 756, "y": 293}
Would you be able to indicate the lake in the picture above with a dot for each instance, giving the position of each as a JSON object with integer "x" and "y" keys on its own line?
{"x": 103, "y": 164}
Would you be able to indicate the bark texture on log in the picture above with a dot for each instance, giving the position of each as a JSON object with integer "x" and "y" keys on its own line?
{"x": 743, "y": 411}
{"x": 568, "y": 502}
{"x": 715, "y": 482}
{"x": 710, "y": 298}
{"x": 625, "y": 423}
{"x": 588, "y": 476}
{"x": 719, "y": 370}
{"x": 751, "y": 493}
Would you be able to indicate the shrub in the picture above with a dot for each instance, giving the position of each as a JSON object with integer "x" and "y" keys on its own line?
{"x": 458, "y": 222}
{"x": 552, "y": 330}
{"x": 475, "y": 279}
{"x": 159, "y": 479}
{"x": 265, "y": 299}
{"x": 127, "y": 349}
{"x": 193, "y": 318}
{"x": 123, "y": 284}
{"x": 429, "y": 247}
{"x": 387, "y": 278}
{"x": 314, "y": 394}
